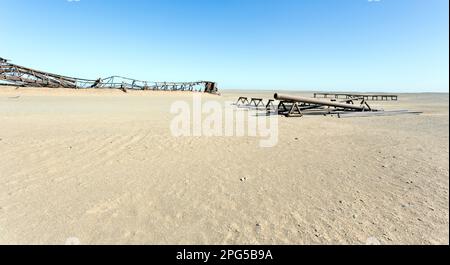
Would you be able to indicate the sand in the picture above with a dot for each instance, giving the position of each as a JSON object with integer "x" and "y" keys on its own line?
{"x": 102, "y": 167}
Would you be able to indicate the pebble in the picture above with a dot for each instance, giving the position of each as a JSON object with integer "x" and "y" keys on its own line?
{"x": 243, "y": 179}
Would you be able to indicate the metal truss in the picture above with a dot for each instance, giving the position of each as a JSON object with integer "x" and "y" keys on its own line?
{"x": 13, "y": 74}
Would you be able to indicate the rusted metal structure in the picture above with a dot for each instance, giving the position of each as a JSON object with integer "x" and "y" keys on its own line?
{"x": 290, "y": 106}
{"x": 299, "y": 104}
{"x": 257, "y": 102}
{"x": 376, "y": 97}
{"x": 270, "y": 106}
{"x": 243, "y": 100}
{"x": 355, "y": 106}
{"x": 362, "y": 107}
{"x": 12, "y": 74}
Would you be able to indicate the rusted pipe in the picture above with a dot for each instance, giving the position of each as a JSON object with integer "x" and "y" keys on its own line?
{"x": 290, "y": 98}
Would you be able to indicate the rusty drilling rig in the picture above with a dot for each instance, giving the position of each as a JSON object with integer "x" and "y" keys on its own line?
{"x": 12, "y": 74}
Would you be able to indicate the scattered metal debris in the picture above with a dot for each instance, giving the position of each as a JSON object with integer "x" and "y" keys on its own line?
{"x": 378, "y": 113}
{"x": 290, "y": 106}
{"x": 381, "y": 97}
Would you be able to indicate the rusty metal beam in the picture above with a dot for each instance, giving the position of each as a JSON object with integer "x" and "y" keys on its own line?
{"x": 295, "y": 99}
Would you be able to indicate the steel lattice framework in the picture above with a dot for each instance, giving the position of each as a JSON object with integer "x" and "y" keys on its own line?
{"x": 22, "y": 76}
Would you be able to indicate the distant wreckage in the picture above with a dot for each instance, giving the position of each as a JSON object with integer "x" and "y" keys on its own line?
{"x": 11, "y": 74}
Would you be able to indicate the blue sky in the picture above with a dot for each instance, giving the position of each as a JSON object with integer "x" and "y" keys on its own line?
{"x": 347, "y": 45}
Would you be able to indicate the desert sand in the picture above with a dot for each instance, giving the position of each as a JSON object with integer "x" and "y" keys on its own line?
{"x": 102, "y": 167}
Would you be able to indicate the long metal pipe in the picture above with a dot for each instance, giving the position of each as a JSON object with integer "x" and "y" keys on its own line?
{"x": 290, "y": 98}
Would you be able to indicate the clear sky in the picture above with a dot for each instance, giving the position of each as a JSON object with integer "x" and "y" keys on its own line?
{"x": 365, "y": 45}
